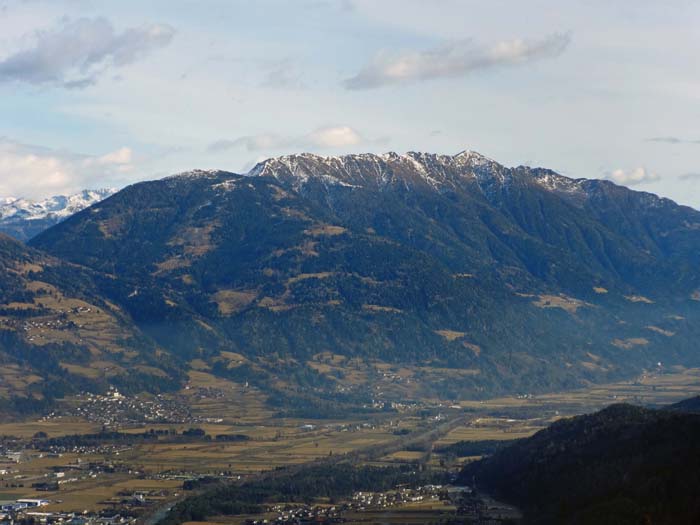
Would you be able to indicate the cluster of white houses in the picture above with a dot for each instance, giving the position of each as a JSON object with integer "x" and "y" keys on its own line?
{"x": 22, "y": 510}
{"x": 11, "y": 509}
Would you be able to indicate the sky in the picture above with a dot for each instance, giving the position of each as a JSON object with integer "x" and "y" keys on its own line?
{"x": 97, "y": 93}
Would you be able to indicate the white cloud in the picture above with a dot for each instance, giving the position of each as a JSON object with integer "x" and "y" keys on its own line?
{"x": 265, "y": 141}
{"x": 335, "y": 137}
{"x": 76, "y": 52}
{"x": 673, "y": 140}
{"x": 34, "y": 172}
{"x": 454, "y": 59}
{"x": 632, "y": 177}
{"x": 121, "y": 157}
{"x": 331, "y": 137}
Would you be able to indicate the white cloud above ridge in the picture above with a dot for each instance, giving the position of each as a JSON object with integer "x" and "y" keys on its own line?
{"x": 75, "y": 53}
{"x": 121, "y": 157}
{"x": 632, "y": 177}
{"x": 454, "y": 59}
{"x": 330, "y": 137}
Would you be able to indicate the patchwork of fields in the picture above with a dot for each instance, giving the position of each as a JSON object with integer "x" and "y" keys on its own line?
{"x": 408, "y": 437}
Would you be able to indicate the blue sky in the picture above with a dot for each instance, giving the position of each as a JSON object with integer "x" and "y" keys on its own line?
{"x": 102, "y": 93}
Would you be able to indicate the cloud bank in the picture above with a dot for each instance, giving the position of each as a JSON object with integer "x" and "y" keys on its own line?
{"x": 454, "y": 59}
{"x": 673, "y": 140}
{"x": 332, "y": 137}
{"x": 76, "y": 53}
{"x": 632, "y": 177}
{"x": 35, "y": 172}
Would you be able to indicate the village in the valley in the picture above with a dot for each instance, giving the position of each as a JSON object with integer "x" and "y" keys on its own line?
{"x": 112, "y": 458}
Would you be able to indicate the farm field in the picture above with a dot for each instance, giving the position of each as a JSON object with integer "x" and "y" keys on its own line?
{"x": 63, "y": 427}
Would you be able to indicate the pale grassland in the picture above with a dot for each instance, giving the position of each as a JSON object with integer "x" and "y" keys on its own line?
{"x": 492, "y": 431}
{"x": 13, "y": 378}
{"x": 650, "y": 389}
{"x": 658, "y": 330}
{"x": 450, "y": 335}
{"x": 325, "y": 229}
{"x": 92, "y": 495}
{"x": 655, "y": 388}
{"x": 232, "y": 301}
{"x": 91, "y": 373}
{"x": 239, "y": 404}
{"x": 630, "y": 342}
{"x": 569, "y": 304}
{"x": 62, "y": 427}
{"x": 404, "y": 455}
{"x": 638, "y": 299}
{"x": 261, "y": 454}
{"x": 380, "y": 308}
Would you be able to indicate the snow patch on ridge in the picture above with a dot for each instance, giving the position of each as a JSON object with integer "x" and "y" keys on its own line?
{"x": 555, "y": 182}
{"x": 411, "y": 169}
{"x": 192, "y": 174}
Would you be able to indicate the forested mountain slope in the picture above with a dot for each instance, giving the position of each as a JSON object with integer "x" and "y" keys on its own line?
{"x": 475, "y": 277}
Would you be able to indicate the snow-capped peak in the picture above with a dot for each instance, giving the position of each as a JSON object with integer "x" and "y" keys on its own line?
{"x": 367, "y": 169}
{"x": 474, "y": 158}
{"x": 58, "y": 207}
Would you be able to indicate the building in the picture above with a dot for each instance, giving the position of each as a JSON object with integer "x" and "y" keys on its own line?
{"x": 34, "y": 502}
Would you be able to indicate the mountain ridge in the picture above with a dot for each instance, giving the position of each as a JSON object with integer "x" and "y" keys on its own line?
{"x": 483, "y": 179}
{"x": 547, "y": 178}
{"x": 437, "y": 262}
{"x": 294, "y": 164}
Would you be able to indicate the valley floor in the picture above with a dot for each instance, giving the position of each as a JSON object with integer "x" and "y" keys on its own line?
{"x": 112, "y": 476}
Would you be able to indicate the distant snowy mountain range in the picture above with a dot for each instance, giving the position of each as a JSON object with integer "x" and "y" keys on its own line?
{"x": 24, "y": 218}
